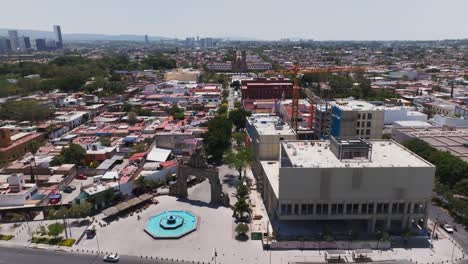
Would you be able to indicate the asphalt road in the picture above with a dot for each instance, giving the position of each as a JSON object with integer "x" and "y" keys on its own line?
{"x": 34, "y": 256}
{"x": 461, "y": 236}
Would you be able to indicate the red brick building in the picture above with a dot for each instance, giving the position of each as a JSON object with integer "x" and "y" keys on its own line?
{"x": 15, "y": 146}
{"x": 262, "y": 88}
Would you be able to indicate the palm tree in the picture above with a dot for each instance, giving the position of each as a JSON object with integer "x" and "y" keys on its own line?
{"x": 33, "y": 147}
{"x": 241, "y": 206}
{"x": 242, "y": 229}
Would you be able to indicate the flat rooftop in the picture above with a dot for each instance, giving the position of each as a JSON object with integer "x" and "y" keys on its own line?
{"x": 355, "y": 105}
{"x": 317, "y": 154}
{"x": 440, "y": 138}
{"x": 271, "y": 169}
{"x": 266, "y": 124}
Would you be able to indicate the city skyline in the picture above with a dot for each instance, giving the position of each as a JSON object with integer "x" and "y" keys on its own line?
{"x": 319, "y": 20}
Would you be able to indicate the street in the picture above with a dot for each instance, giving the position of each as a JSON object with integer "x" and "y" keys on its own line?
{"x": 461, "y": 236}
{"x": 27, "y": 255}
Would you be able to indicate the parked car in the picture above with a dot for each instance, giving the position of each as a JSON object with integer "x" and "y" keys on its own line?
{"x": 54, "y": 201}
{"x": 90, "y": 233}
{"x": 55, "y": 198}
{"x": 111, "y": 258}
{"x": 447, "y": 228}
{"x": 69, "y": 189}
{"x": 82, "y": 177}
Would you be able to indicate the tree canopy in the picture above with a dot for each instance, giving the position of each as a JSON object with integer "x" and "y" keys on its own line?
{"x": 449, "y": 169}
{"x": 70, "y": 73}
{"x": 238, "y": 117}
{"x": 218, "y": 137}
{"x": 73, "y": 154}
{"x": 159, "y": 62}
{"x": 25, "y": 110}
{"x": 239, "y": 159}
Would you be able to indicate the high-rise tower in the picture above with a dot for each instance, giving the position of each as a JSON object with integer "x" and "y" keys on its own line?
{"x": 14, "y": 40}
{"x": 58, "y": 37}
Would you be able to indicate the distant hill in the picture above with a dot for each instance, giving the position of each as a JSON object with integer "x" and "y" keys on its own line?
{"x": 33, "y": 34}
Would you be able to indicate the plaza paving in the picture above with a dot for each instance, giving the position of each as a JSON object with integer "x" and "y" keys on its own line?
{"x": 216, "y": 230}
{"x": 126, "y": 236}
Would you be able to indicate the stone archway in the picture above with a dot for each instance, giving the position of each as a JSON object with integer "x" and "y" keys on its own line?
{"x": 198, "y": 167}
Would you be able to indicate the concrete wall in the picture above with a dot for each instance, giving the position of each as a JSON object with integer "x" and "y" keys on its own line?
{"x": 266, "y": 147}
{"x": 388, "y": 198}
{"x": 344, "y": 123}
{"x": 16, "y": 199}
{"x": 161, "y": 174}
{"x": 356, "y": 183}
{"x": 269, "y": 146}
{"x": 401, "y": 114}
{"x": 450, "y": 121}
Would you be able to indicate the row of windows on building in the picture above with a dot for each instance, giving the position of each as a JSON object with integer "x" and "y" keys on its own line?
{"x": 362, "y": 132}
{"x": 363, "y": 124}
{"x": 351, "y": 209}
{"x": 364, "y": 116}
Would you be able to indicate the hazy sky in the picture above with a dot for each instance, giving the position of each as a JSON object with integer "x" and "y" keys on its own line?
{"x": 262, "y": 19}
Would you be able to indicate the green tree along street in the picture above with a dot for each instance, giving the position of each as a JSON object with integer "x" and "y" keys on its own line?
{"x": 239, "y": 138}
{"x": 73, "y": 154}
{"x": 450, "y": 169}
{"x": 54, "y": 230}
{"x": 143, "y": 185}
{"x": 242, "y": 205}
{"x": 242, "y": 229}
{"x": 451, "y": 177}
{"x": 239, "y": 159}
{"x": 238, "y": 117}
{"x": 218, "y": 137}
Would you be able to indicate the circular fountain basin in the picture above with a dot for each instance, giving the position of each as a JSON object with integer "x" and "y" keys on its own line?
{"x": 171, "y": 224}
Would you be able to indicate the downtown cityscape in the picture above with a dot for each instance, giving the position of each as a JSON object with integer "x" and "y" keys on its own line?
{"x": 167, "y": 144}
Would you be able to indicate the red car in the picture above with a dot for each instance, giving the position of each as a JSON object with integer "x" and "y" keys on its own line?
{"x": 54, "y": 201}
{"x": 81, "y": 177}
{"x": 55, "y": 198}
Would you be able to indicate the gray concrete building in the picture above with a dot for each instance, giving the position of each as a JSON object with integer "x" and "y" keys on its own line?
{"x": 265, "y": 132}
{"x": 5, "y": 46}
{"x": 377, "y": 185}
{"x": 353, "y": 118}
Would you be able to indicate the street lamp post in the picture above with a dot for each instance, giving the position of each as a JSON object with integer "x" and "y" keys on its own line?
{"x": 453, "y": 250}
{"x": 215, "y": 254}
{"x": 97, "y": 241}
